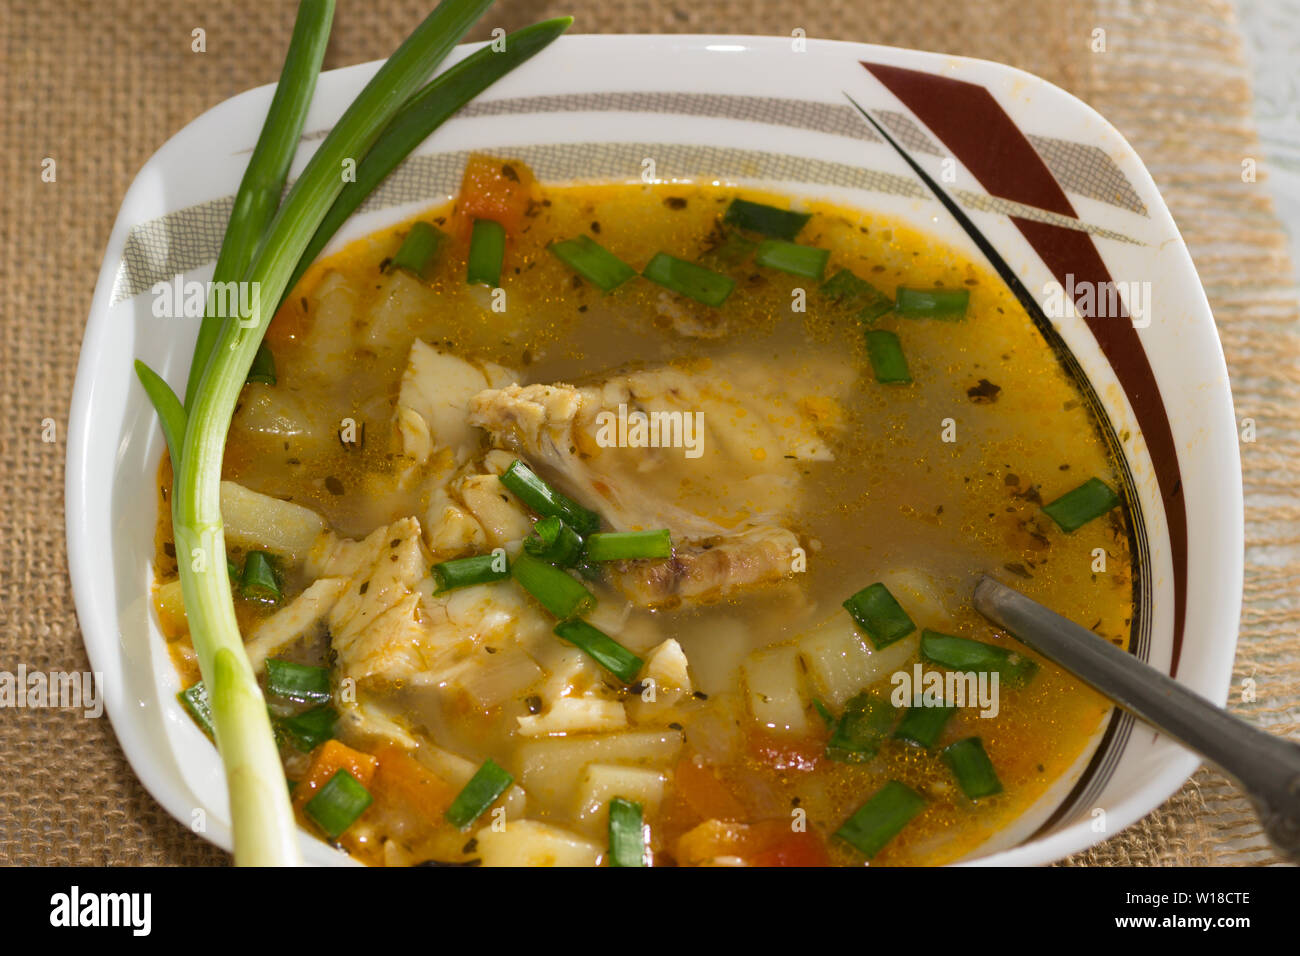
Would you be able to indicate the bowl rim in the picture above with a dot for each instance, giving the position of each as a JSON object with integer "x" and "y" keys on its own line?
{"x": 99, "y": 623}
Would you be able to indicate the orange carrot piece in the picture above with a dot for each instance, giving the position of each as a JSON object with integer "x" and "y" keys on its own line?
{"x": 326, "y": 760}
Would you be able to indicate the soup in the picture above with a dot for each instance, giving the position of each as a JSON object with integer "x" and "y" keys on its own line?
{"x": 580, "y": 565}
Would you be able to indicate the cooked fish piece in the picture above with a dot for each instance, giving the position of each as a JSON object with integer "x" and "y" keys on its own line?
{"x": 705, "y": 571}
{"x": 388, "y": 626}
{"x": 472, "y": 511}
{"x": 291, "y": 624}
{"x": 390, "y": 630}
{"x": 705, "y": 448}
{"x": 433, "y": 403}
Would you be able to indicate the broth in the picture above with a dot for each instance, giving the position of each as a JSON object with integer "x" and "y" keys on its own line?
{"x": 924, "y": 487}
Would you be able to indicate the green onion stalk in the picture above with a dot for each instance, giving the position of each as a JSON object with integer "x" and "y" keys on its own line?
{"x": 263, "y": 824}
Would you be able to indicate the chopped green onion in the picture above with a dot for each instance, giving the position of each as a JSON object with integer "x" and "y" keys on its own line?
{"x": 232, "y": 572}
{"x": 259, "y": 582}
{"x": 483, "y": 789}
{"x": 300, "y": 682}
{"x": 487, "y": 250}
{"x": 807, "y": 261}
{"x": 856, "y": 736}
{"x": 466, "y": 572}
{"x": 555, "y": 589}
{"x": 881, "y": 818}
{"x": 629, "y": 545}
{"x": 688, "y": 279}
{"x": 601, "y": 648}
{"x": 877, "y": 613}
{"x": 417, "y": 250}
{"x": 262, "y": 371}
{"x": 824, "y": 713}
{"x": 967, "y": 656}
{"x": 554, "y": 542}
{"x": 887, "y": 359}
{"x": 593, "y": 262}
{"x": 1076, "y": 508}
{"x": 311, "y": 728}
{"x": 195, "y": 700}
{"x": 769, "y": 220}
{"x": 338, "y": 804}
{"x": 922, "y": 725}
{"x": 521, "y": 481}
{"x": 626, "y": 833}
{"x": 421, "y": 115}
{"x": 857, "y": 295}
{"x": 948, "y": 304}
{"x": 972, "y": 768}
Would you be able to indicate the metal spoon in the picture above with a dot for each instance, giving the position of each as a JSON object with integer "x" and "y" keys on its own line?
{"x": 1266, "y": 767}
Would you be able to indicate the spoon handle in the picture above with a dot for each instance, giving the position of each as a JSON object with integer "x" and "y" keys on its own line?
{"x": 1267, "y": 767}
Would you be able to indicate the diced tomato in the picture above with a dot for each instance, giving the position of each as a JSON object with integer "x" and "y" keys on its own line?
{"x": 404, "y": 782}
{"x": 797, "y": 754}
{"x": 791, "y": 849}
{"x": 766, "y": 843}
{"x": 329, "y": 758}
{"x": 695, "y": 783}
{"x": 496, "y": 189}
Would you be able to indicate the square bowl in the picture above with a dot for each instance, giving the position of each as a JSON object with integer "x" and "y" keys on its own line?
{"x": 1052, "y": 186}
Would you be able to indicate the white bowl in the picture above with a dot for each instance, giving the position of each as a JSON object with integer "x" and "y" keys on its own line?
{"x": 1048, "y": 182}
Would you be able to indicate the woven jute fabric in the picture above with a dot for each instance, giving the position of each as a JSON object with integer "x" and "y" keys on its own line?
{"x": 98, "y": 86}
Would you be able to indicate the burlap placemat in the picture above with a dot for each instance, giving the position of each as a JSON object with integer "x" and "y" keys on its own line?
{"x": 98, "y": 86}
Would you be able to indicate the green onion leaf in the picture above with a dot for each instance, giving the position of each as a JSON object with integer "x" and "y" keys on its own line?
{"x": 769, "y": 220}
{"x": 857, "y": 295}
{"x": 688, "y": 279}
{"x": 857, "y": 735}
{"x": 879, "y": 615}
{"x": 554, "y": 542}
{"x": 807, "y": 261}
{"x": 593, "y": 262}
{"x": 483, "y": 789}
{"x": 259, "y": 581}
{"x": 947, "y": 304}
{"x": 601, "y": 648}
{"x": 887, "y": 359}
{"x": 262, "y": 819}
{"x": 555, "y": 589}
{"x": 923, "y": 725}
{"x": 263, "y": 181}
{"x": 466, "y": 572}
{"x": 195, "y": 700}
{"x": 311, "y": 728}
{"x": 629, "y": 545}
{"x": 972, "y": 768}
{"x": 1076, "y": 508}
{"x": 170, "y": 411}
{"x": 299, "y": 682}
{"x": 421, "y": 115}
{"x": 338, "y": 804}
{"x": 487, "y": 250}
{"x": 520, "y": 481}
{"x": 881, "y": 818}
{"x": 626, "y": 833}
{"x": 417, "y": 250}
{"x": 262, "y": 371}
{"x": 967, "y": 656}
